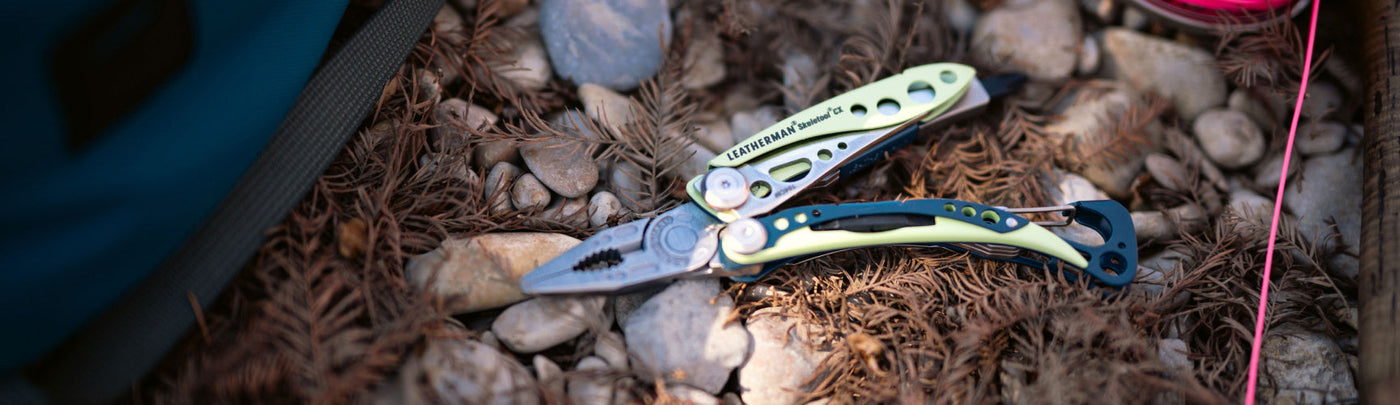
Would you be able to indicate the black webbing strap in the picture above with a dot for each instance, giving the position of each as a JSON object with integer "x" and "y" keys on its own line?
{"x": 104, "y": 359}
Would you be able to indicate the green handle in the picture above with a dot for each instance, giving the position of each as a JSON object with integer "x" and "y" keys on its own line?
{"x": 812, "y": 229}
{"x": 909, "y": 91}
{"x": 805, "y": 241}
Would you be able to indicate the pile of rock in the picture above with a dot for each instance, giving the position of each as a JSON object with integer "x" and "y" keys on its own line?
{"x": 684, "y": 339}
{"x": 1220, "y": 155}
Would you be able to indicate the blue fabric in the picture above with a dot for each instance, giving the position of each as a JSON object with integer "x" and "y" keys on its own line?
{"x": 77, "y": 230}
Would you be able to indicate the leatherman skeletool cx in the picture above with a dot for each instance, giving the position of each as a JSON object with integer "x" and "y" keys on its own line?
{"x": 723, "y": 230}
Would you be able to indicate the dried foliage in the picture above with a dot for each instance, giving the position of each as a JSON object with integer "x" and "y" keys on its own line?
{"x": 1268, "y": 57}
{"x": 308, "y": 323}
{"x": 974, "y": 164}
{"x": 953, "y": 328}
{"x": 657, "y": 141}
{"x": 1122, "y": 135}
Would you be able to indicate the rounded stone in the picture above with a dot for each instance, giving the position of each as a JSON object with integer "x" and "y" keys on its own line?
{"x": 613, "y": 43}
{"x": 498, "y": 186}
{"x": 602, "y": 207}
{"x": 528, "y": 194}
{"x": 563, "y": 165}
{"x": 483, "y": 271}
{"x": 683, "y": 335}
{"x": 1187, "y": 75}
{"x": 1321, "y": 137}
{"x": 1089, "y": 56}
{"x": 1323, "y": 99}
{"x": 543, "y": 322}
{"x": 1229, "y": 138}
{"x": 1038, "y": 38}
{"x": 1168, "y": 172}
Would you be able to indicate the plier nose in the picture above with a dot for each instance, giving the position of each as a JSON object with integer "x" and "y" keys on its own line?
{"x": 633, "y": 254}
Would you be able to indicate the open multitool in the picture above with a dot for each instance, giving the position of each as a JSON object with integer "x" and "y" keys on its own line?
{"x": 725, "y": 229}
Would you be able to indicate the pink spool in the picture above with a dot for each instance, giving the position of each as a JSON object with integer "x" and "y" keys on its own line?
{"x": 1206, "y": 16}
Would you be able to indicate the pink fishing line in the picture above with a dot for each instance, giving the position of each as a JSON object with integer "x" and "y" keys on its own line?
{"x": 1278, "y": 204}
{"x": 1236, "y": 5}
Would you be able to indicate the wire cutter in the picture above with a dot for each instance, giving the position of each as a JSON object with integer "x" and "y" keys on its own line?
{"x": 726, "y": 230}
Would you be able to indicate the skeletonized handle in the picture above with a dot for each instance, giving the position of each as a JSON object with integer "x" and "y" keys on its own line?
{"x": 953, "y": 224}
{"x": 860, "y": 110}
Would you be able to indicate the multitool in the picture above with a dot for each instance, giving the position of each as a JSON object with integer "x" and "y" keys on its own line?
{"x": 726, "y": 230}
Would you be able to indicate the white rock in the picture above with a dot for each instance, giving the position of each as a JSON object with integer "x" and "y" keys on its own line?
{"x": 622, "y": 392}
{"x": 609, "y": 108}
{"x": 1258, "y": 110}
{"x": 1323, "y": 99}
{"x": 686, "y": 394}
{"x": 1174, "y": 353}
{"x": 530, "y": 69}
{"x": 1090, "y": 122}
{"x": 453, "y": 117}
{"x": 799, "y": 73}
{"x": 1168, "y": 172}
{"x": 784, "y": 356}
{"x": 528, "y": 194}
{"x": 704, "y": 59}
{"x": 448, "y": 24}
{"x": 572, "y": 212}
{"x": 1319, "y": 138}
{"x": 550, "y": 376}
{"x": 611, "y": 348}
{"x": 602, "y": 206}
{"x": 680, "y": 335}
{"x": 697, "y": 163}
{"x": 626, "y": 183}
{"x": 1135, "y": 19}
{"x": 1163, "y": 225}
{"x": 1266, "y": 173}
{"x": 1256, "y": 209}
{"x": 713, "y": 133}
{"x": 429, "y": 86}
{"x": 489, "y": 153}
{"x": 576, "y": 123}
{"x": 1158, "y": 268}
{"x": 1330, "y": 188}
{"x": 498, "y": 185}
{"x": 1186, "y": 75}
{"x": 460, "y": 371}
{"x": 614, "y": 43}
{"x": 587, "y": 386}
{"x": 1190, "y": 154}
{"x": 1037, "y": 38}
{"x": 960, "y": 15}
{"x": 489, "y": 339}
{"x": 1229, "y": 138}
{"x": 563, "y": 165}
{"x": 1089, "y": 57}
{"x": 1070, "y": 188}
{"x": 484, "y": 271}
{"x": 541, "y": 323}
{"x": 1307, "y": 368}
{"x": 1251, "y": 204}
{"x": 746, "y": 124}
{"x": 740, "y": 97}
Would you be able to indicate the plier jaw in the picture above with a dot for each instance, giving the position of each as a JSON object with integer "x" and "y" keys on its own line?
{"x": 633, "y": 255}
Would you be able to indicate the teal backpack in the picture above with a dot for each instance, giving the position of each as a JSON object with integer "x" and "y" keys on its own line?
{"x": 148, "y": 143}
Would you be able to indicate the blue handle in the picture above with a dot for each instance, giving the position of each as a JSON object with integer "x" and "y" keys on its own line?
{"x": 1112, "y": 264}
